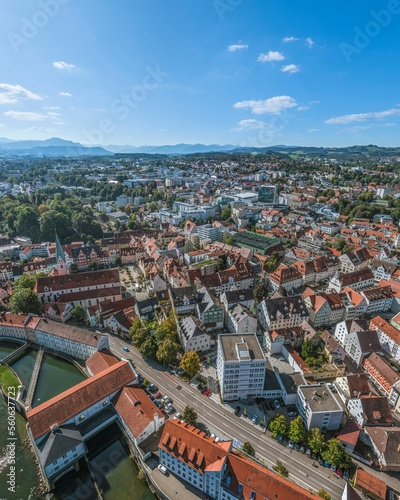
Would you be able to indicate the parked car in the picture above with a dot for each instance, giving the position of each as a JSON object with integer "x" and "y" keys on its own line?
{"x": 308, "y": 452}
{"x": 204, "y": 389}
{"x": 297, "y": 446}
{"x": 326, "y": 464}
{"x": 254, "y": 419}
{"x": 280, "y": 438}
{"x": 320, "y": 461}
{"x": 291, "y": 413}
{"x": 333, "y": 467}
{"x": 199, "y": 386}
{"x": 170, "y": 409}
{"x": 302, "y": 449}
{"x": 208, "y": 392}
{"x": 237, "y": 410}
{"x": 125, "y": 348}
{"x": 162, "y": 469}
{"x": 152, "y": 388}
{"x": 346, "y": 475}
{"x": 166, "y": 400}
{"x": 291, "y": 444}
{"x": 339, "y": 472}
{"x": 158, "y": 395}
{"x": 276, "y": 403}
{"x": 177, "y": 416}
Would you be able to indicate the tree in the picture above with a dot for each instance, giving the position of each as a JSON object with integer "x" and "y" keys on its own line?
{"x": 167, "y": 351}
{"x": 260, "y": 292}
{"x": 316, "y": 440}
{"x": 248, "y": 449}
{"x": 118, "y": 261}
{"x": 148, "y": 348}
{"x": 297, "y": 431}
{"x": 230, "y": 240}
{"x": 190, "y": 415}
{"x": 128, "y": 209}
{"x": 280, "y": 469}
{"x": 93, "y": 265}
{"x": 25, "y": 301}
{"x": 307, "y": 349}
{"x": 278, "y": 426}
{"x": 334, "y": 453}
{"x": 78, "y": 314}
{"x": 25, "y": 281}
{"x": 27, "y": 222}
{"x": 190, "y": 363}
{"x": 324, "y": 494}
{"x": 226, "y": 213}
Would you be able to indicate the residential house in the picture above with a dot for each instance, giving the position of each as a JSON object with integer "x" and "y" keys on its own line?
{"x": 231, "y": 298}
{"x": 184, "y": 299}
{"x": 289, "y": 278}
{"x": 370, "y": 410}
{"x": 282, "y": 312}
{"x": 388, "y": 335}
{"x": 356, "y": 280}
{"x": 193, "y": 335}
{"x": 354, "y": 261}
{"x": 380, "y": 372}
{"x": 241, "y": 320}
{"x": 209, "y": 310}
{"x": 361, "y": 343}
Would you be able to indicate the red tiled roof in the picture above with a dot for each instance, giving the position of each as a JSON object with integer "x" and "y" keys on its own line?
{"x": 369, "y": 483}
{"x": 73, "y": 401}
{"x": 136, "y": 409}
{"x": 101, "y": 360}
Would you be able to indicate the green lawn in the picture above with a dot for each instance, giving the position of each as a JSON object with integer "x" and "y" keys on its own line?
{"x": 8, "y": 379}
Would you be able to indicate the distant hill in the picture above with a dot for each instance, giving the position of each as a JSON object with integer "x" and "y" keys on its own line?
{"x": 177, "y": 149}
{"x": 49, "y": 147}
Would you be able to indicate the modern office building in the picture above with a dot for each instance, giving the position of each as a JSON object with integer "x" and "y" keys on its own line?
{"x": 268, "y": 193}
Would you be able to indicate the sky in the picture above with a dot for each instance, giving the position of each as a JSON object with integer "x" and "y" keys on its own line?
{"x": 243, "y": 72}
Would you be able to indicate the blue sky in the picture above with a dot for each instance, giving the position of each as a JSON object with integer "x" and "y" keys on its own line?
{"x": 249, "y": 72}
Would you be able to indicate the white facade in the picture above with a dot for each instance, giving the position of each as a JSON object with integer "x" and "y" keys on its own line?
{"x": 319, "y": 407}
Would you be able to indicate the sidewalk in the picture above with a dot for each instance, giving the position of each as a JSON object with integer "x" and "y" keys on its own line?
{"x": 174, "y": 488}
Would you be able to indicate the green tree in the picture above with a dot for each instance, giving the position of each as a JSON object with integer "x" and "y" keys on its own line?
{"x": 297, "y": 431}
{"x": 308, "y": 349}
{"x": 73, "y": 268}
{"x": 226, "y": 213}
{"x": 248, "y": 449}
{"x": 118, "y": 261}
{"x": 190, "y": 416}
{"x": 260, "y": 292}
{"x": 280, "y": 469}
{"x": 324, "y": 494}
{"x": 167, "y": 351}
{"x": 25, "y": 301}
{"x": 148, "y": 348}
{"x": 334, "y": 453}
{"x": 93, "y": 265}
{"x": 278, "y": 426}
{"x": 190, "y": 363}
{"x": 78, "y": 314}
{"x": 25, "y": 281}
{"x": 230, "y": 240}
{"x": 316, "y": 440}
{"x": 27, "y": 223}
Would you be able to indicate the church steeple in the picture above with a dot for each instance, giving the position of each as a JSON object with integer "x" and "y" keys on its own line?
{"x": 60, "y": 258}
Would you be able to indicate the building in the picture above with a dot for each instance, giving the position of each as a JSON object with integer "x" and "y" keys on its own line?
{"x": 361, "y": 343}
{"x": 380, "y": 372}
{"x": 268, "y": 193}
{"x": 370, "y": 410}
{"x": 210, "y": 311}
{"x": 218, "y": 470}
{"x": 360, "y": 279}
{"x": 208, "y": 232}
{"x": 282, "y": 312}
{"x": 354, "y": 261}
{"x": 193, "y": 335}
{"x": 319, "y": 407}
{"x": 241, "y": 367}
{"x": 240, "y": 319}
{"x": 388, "y": 335}
{"x": 289, "y": 278}
{"x": 123, "y": 200}
{"x": 184, "y": 299}
{"x": 233, "y": 297}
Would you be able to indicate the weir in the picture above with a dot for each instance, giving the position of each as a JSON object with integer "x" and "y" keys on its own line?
{"x": 35, "y": 376}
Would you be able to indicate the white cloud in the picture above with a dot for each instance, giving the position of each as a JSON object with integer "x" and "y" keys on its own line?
{"x": 10, "y": 94}
{"x": 28, "y": 116}
{"x": 271, "y": 56}
{"x": 273, "y": 106}
{"x": 63, "y": 65}
{"x": 251, "y": 124}
{"x": 34, "y": 116}
{"x": 313, "y": 130}
{"x": 290, "y": 68}
{"x": 310, "y": 42}
{"x": 303, "y": 108}
{"x": 288, "y": 39}
{"x": 362, "y": 117}
{"x": 237, "y": 46}
{"x": 65, "y": 94}
{"x": 41, "y": 129}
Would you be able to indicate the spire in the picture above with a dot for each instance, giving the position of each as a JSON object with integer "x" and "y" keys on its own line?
{"x": 59, "y": 251}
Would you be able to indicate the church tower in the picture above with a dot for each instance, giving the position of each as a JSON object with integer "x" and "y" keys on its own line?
{"x": 60, "y": 258}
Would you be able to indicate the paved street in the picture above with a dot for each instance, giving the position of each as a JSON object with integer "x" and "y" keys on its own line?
{"x": 220, "y": 419}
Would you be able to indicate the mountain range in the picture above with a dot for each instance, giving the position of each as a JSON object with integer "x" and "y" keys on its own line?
{"x": 56, "y": 147}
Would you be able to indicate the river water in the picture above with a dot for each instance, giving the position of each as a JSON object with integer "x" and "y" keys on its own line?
{"x": 118, "y": 478}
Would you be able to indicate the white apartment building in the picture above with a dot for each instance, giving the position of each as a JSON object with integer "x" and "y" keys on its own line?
{"x": 241, "y": 367}
{"x": 319, "y": 407}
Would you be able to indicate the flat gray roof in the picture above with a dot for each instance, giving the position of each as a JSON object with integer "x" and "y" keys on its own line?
{"x": 231, "y": 344}
{"x": 320, "y": 398}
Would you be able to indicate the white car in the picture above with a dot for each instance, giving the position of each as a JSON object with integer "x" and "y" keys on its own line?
{"x": 177, "y": 416}
{"x": 162, "y": 469}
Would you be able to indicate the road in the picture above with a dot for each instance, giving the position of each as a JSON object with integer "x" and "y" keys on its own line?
{"x": 221, "y": 420}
